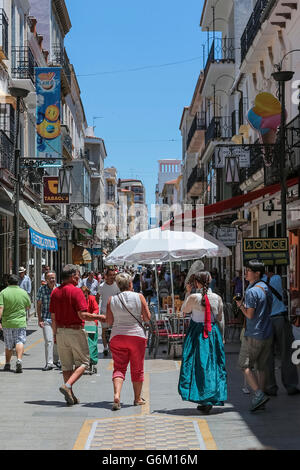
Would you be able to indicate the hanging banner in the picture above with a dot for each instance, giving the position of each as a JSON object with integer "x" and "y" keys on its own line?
{"x": 42, "y": 241}
{"x": 48, "y": 130}
{"x": 50, "y": 194}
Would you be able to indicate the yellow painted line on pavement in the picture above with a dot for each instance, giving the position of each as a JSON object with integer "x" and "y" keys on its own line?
{"x": 110, "y": 365}
{"x": 34, "y": 344}
{"x": 28, "y": 348}
{"x": 209, "y": 441}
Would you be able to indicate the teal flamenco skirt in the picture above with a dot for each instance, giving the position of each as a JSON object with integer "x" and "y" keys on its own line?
{"x": 203, "y": 375}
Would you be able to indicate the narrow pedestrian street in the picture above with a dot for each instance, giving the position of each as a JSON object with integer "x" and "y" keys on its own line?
{"x": 34, "y": 415}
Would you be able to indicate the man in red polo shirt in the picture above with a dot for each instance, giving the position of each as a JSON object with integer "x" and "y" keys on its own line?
{"x": 68, "y": 309}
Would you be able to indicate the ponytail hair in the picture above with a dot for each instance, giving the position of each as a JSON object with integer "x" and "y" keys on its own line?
{"x": 204, "y": 278}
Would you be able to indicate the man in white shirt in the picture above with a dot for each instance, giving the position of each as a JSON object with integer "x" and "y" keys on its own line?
{"x": 91, "y": 283}
{"x": 105, "y": 291}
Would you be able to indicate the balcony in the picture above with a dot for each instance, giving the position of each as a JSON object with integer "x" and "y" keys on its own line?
{"x": 7, "y": 120}
{"x": 220, "y": 61}
{"x": 6, "y": 158}
{"x": 3, "y": 35}
{"x": 196, "y": 133}
{"x": 66, "y": 141}
{"x": 252, "y": 28}
{"x": 220, "y": 128}
{"x": 22, "y": 69}
{"x": 196, "y": 182}
{"x": 59, "y": 58}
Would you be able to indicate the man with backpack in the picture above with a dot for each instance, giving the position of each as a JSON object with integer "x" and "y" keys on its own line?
{"x": 282, "y": 340}
{"x": 257, "y": 341}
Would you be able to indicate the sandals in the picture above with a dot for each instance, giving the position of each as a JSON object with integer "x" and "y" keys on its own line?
{"x": 140, "y": 402}
{"x": 116, "y": 406}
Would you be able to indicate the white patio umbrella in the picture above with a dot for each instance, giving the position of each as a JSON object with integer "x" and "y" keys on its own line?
{"x": 155, "y": 246}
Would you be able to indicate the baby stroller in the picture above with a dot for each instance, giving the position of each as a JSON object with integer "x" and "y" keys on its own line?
{"x": 92, "y": 330}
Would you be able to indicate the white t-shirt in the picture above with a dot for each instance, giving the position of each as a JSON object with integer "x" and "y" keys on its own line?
{"x": 106, "y": 291}
{"x": 124, "y": 322}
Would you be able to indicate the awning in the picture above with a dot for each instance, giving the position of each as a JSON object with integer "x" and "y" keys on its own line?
{"x": 41, "y": 234}
{"x": 81, "y": 255}
{"x": 229, "y": 204}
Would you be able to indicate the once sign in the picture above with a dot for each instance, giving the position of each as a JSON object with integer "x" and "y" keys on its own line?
{"x": 271, "y": 251}
{"x": 265, "y": 244}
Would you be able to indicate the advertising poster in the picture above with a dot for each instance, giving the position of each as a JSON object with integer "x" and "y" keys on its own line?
{"x": 48, "y": 130}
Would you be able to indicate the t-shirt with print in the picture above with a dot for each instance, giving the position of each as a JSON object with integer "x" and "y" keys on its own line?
{"x": 259, "y": 297}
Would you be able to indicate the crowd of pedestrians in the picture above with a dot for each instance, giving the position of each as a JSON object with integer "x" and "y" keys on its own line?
{"x": 120, "y": 302}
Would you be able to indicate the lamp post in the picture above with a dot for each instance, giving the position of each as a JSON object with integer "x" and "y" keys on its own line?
{"x": 283, "y": 77}
{"x": 19, "y": 94}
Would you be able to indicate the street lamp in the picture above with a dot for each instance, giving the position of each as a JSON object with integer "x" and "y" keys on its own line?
{"x": 282, "y": 77}
{"x": 19, "y": 94}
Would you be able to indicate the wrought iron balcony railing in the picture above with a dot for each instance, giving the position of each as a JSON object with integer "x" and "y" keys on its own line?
{"x": 23, "y": 63}
{"x": 222, "y": 50}
{"x": 252, "y": 28}
{"x": 60, "y": 59}
{"x": 7, "y": 119}
{"x": 6, "y": 152}
{"x": 220, "y": 128}
{"x": 197, "y": 176}
{"x": 3, "y": 34}
{"x": 198, "y": 124}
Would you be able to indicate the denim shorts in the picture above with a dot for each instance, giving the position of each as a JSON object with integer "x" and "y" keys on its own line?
{"x": 13, "y": 336}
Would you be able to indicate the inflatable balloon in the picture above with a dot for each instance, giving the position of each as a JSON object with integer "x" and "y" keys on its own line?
{"x": 265, "y": 117}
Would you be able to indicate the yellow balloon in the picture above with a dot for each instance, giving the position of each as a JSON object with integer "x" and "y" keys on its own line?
{"x": 266, "y": 105}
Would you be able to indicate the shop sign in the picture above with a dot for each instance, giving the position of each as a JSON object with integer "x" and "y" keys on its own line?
{"x": 51, "y": 195}
{"x": 271, "y": 251}
{"x": 42, "y": 241}
{"x": 240, "y": 154}
{"x": 227, "y": 235}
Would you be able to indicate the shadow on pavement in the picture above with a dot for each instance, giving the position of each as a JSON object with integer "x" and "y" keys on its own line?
{"x": 103, "y": 404}
{"x": 58, "y": 404}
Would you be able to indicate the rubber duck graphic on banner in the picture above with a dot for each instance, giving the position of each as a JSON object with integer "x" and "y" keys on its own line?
{"x": 48, "y": 129}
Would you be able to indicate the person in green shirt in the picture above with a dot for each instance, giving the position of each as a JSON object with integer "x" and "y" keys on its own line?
{"x": 14, "y": 302}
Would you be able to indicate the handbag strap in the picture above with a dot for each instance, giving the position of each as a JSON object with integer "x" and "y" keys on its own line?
{"x": 130, "y": 312}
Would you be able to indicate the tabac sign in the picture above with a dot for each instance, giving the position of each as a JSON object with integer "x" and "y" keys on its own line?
{"x": 271, "y": 251}
{"x": 51, "y": 195}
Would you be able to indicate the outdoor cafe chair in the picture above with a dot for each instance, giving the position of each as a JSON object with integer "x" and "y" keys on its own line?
{"x": 175, "y": 327}
{"x": 233, "y": 326}
{"x": 157, "y": 334}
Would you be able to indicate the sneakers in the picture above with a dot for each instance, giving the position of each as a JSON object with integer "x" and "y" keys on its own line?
{"x": 48, "y": 367}
{"x": 6, "y": 367}
{"x": 19, "y": 367}
{"x": 258, "y": 401}
{"x": 58, "y": 364}
{"x": 67, "y": 392}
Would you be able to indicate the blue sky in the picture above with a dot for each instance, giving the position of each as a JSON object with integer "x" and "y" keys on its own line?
{"x": 140, "y": 110}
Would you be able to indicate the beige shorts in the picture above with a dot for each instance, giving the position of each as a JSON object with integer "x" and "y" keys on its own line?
{"x": 254, "y": 353}
{"x": 73, "y": 348}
